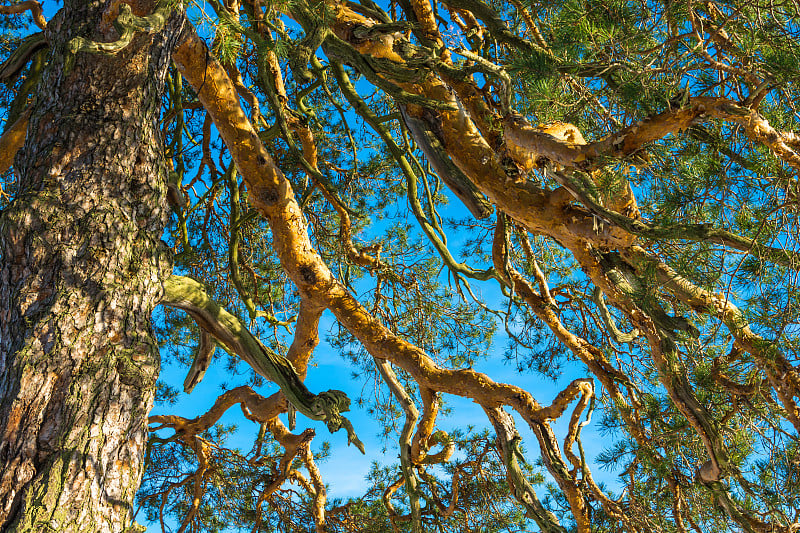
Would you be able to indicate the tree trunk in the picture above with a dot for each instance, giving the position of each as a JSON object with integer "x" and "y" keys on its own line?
{"x": 82, "y": 269}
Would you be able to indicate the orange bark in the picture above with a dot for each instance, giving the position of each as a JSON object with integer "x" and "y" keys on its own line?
{"x": 273, "y": 196}
{"x": 28, "y": 5}
{"x": 12, "y": 140}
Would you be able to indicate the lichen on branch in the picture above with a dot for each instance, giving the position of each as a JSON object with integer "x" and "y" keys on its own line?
{"x": 127, "y": 25}
{"x": 189, "y": 295}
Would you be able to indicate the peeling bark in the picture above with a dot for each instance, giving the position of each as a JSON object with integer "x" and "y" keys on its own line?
{"x": 272, "y": 195}
{"x": 508, "y": 441}
{"x": 185, "y": 293}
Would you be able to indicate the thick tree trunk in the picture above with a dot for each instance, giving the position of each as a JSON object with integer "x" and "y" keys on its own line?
{"x": 82, "y": 269}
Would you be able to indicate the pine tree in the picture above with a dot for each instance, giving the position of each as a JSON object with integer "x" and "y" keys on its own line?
{"x": 621, "y": 175}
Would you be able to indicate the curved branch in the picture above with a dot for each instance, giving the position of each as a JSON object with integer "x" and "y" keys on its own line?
{"x": 12, "y": 140}
{"x": 127, "y": 24}
{"x": 272, "y": 194}
{"x": 508, "y": 441}
{"x": 406, "y": 463}
{"x": 187, "y": 294}
{"x": 202, "y": 359}
{"x": 28, "y": 5}
{"x": 608, "y": 320}
{"x": 424, "y": 438}
{"x": 19, "y": 57}
{"x": 260, "y": 409}
{"x": 527, "y": 145}
{"x": 423, "y": 133}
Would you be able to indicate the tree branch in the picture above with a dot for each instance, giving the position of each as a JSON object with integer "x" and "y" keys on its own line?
{"x": 28, "y": 5}
{"x": 187, "y": 294}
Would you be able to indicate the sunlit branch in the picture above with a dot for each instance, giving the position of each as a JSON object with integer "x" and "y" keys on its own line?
{"x": 28, "y": 5}
{"x": 287, "y": 122}
{"x": 258, "y": 408}
{"x": 453, "y": 177}
{"x": 22, "y": 100}
{"x": 425, "y": 438}
{"x": 509, "y": 443}
{"x": 187, "y": 294}
{"x": 783, "y": 377}
{"x": 473, "y": 155}
{"x": 319, "y": 492}
{"x": 594, "y": 358}
{"x": 272, "y": 194}
{"x": 619, "y": 282}
{"x": 494, "y": 23}
{"x": 293, "y": 446}
{"x": 530, "y": 145}
{"x": 406, "y": 463}
{"x": 247, "y": 94}
{"x": 386, "y": 497}
{"x": 199, "y": 445}
{"x": 12, "y": 141}
{"x": 445, "y": 511}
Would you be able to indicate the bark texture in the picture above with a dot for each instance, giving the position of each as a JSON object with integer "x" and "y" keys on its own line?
{"x": 82, "y": 269}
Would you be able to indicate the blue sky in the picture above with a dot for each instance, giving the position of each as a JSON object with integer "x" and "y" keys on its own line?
{"x": 345, "y": 471}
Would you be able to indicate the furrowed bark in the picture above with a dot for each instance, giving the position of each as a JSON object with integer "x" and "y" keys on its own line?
{"x": 82, "y": 270}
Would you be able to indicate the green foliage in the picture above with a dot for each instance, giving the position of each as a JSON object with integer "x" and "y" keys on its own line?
{"x": 605, "y": 66}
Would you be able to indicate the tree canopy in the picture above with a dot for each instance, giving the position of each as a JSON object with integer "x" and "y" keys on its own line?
{"x": 602, "y": 193}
